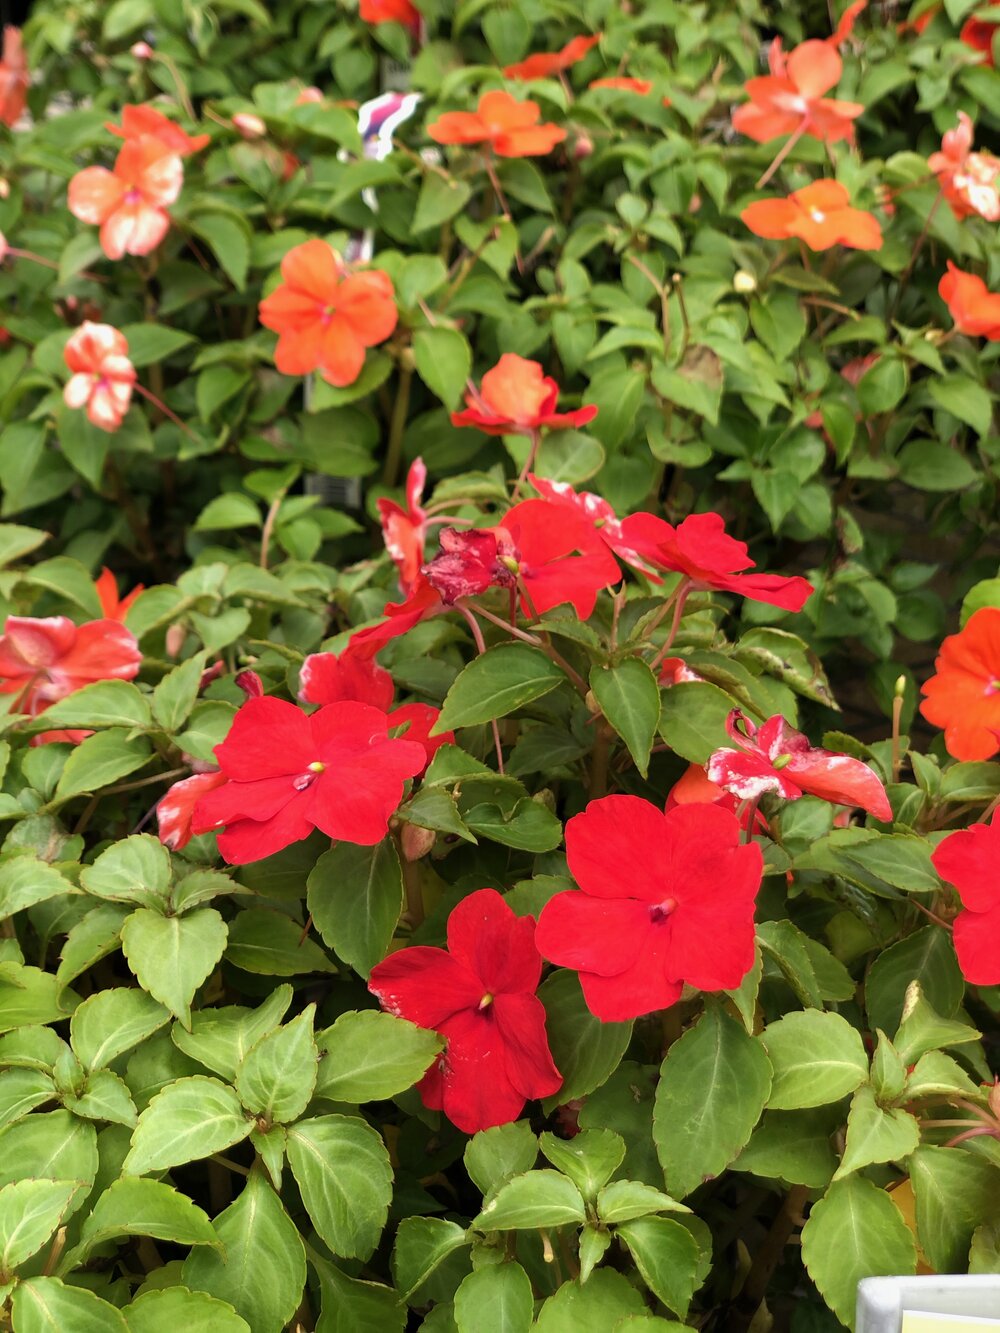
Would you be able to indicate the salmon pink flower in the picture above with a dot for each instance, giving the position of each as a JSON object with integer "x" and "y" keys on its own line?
{"x": 777, "y": 758}
{"x": 404, "y": 530}
{"x": 103, "y": 376}
{"x": 145, "y": 119}
{"x": 624, "y": 84}
{"x": 790, "y": 99}
{"x": 560, "y": 557}
{"x": 389, "y": 11}
{"x": 516, "y": 397}
{"x": 509, "y": 127}
{"x": 665, "y": 900}
{"x": 129, "y": 203}
{"x": 479, "y": 994}
{"x": 114, "y": 607}
{"x": 975, "y": 309}
{"x": 968, "y": 180}
{"x": 175, "y": 810}
{"x": 702, "y": 550}
{"x": 14, "y": 77}
{"x": 42, "y": 660}
{"x": 470, "y": 562}
{"x": 695, "y": 787}
{"x": 820, "y": 215}
{"x": 544, "y": 65}
{"x": 337, "y": 770}
{"x": 969, "y": 860}
{"x": 963, "y": 696}
{"x": 326, "y": 317}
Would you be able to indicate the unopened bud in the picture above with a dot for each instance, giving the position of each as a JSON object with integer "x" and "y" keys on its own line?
{"x": 593, "y": 707}
{"x": 744, "y": 282}
{"x": 583, "y": 147}
{"x": 415, "y": 841}
{"x": 4, "y": 188}
{"x": 251, "y": 684}
{"x": 899, "y": 689}
{"x": 407, "y": 359}
{"x": 249, "y": 125}
{"x": 211, "y": 673}
{"x": 176, "y": 635}
{"x": 309, "y": 95}
{"x": 933, "y": 336}
{"x": 4, "y": 247}
{"x": 141, "y": 51}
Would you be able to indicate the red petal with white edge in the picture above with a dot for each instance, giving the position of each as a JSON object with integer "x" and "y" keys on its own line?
{"x": 499, "y": 947}
{"x": 750, "y": 776}
{"x": 969, "y": 859}
{"x": 842, "y": 780}
{"x": 425, "y": 985}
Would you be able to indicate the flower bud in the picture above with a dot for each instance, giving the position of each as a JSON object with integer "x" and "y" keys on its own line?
{"x": 583, "y": 146}
{"x": 141, "y": 51}
{"x": 176, "y": 635}
{"x": 249, "y": 125}
{"x": 251, "y": 684}
{"x": 744, "y": 282}
{"x": 899, "y": 689}
{"x": 416, "y": 842}
{"x": 4, "y": 188}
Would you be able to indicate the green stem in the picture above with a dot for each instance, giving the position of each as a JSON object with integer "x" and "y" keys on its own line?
{"x": 394, "y": 453}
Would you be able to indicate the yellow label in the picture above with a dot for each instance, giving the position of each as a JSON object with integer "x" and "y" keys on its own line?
{"x": 946, "y": 1323}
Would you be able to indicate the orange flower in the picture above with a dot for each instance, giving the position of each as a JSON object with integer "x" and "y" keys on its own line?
{"x": 975, "y": 310}
{"x": 103, "y": 376}
{"x": 506, "y": 125}
{"x": 623, "y": 84}
{"x": 790, "y": 99}
{"x": 968, "y": 180}
{"x": 114, "y": 606}
{"x": 963, "y": 696}
{"x": 14, "y": 78}
{"x": 129, "y": 203}
{"x": 145, "y": 119}
{"x": 978, "y": 33}
{"x": 389, "y": 11}
{"x": 324, "y": 316}
{"x": 541, "y": 66}
{"x": 820, "y": 215}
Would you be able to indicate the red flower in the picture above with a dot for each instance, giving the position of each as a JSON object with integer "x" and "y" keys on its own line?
{"x": 404, "y": 530}
{"x": 625, "y": 84}
{"x": 175, "y": 810}
{"x": 421, "y": 602}
{"x": 113, "y": 606}
{"x": 413, "y": 722}
{"x": 969, "y": 860}
{"x": 790, "y": 99}
{"x": 44, "y": 660}
{"x": 145, "y": 119}
{"x": 129, "y": 203}
{"x": 777, "y": 758}
{"x": 675, "y": 671}
{"x": 694, "y": 787}
{"x": 968, "y": 180}
{"x": 701, "y": 549}
{"x": 847, "y": 20}
{"x": 560, "y": 557}
{"x": 600, "y": 513}
{"x": 821, "y": 215}
{"x": 469, "y": 562}
{"x": 543, "y": 66}
{"x": 338, "y": 771}
{"x": 14, "y": 77}
{"x": 975, "y": 309}
{"x": 103, "y": 376}
{"x": 517, "y": 398}
{"x": 389, "y": 11}
{"x": 324, "y": 316}
{"x": 978, "y": 33}
{"x": 963, "y": 696}
{"x": 667, "y": 900}
{"x": 509, "y": 127}
{"x": 480, "y": 996}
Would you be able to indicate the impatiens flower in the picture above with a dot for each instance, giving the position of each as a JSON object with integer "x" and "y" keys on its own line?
{"x": 623, "y": 84}
{"x": 14, "y": 77}
{"x": 968, "y": 180}
{"x": 114, "y": 607}
{"x": 42, "y": 660}
{"x": 702, "y": 550}
{"x": 600, "y": 513}
{"x": 421, "y": 602}
{"x": 963, "y": 696}
{"x": 777, "y": 758}
{"x": 509, "y": 127}
{"x": 129, "y": 203}
{"x": 517, "y": 397}
{"x": 790, "y": 99}
{"x": 675, "y": 671}
{"x": 326, "y": 317}
{"x": 337, "y": 770}
{"x": 145, "y": 119}
{"x": 175, "y": 810}
{"x": 969, "y": 860}
{"x": 389, "y": 11}
{"x": 560, "y": 557}
{"x": 695, "y": 787}
{"x": 544, "y": 65}
{"x": 414, "y": 722}
{"x": 973, "y": 307}
{"x": 820, "y": 214}
{"x": 845, "y": 26}
{"x": 978, "y": 33}
{"x": 665, "y": 899}
{"x": 103, "y": 376}
{"x": 404, "y": 530}
{"x": 469, "y": 562}
{"x": 479, "y": 994}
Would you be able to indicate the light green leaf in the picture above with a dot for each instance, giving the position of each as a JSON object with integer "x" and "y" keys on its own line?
{"x": 590, "y": 1158}
{"x": 693, "y": 719}
{"x": 629, "y": 698}
{"x": 353, "y": 1306}
{"x": 230, "y": 241}
{"x": 220, "y": 1038}
{"x": 444, "y": 363}
{"x": 927, "y": 956}
{"x": 106, "y": 703}
{"x": 876, "y": 1134}
{"x": 421, "y": 1245}
{"x": 271, "y": 944}
{"x": 494, "y": 1155}
{"x": 30, "y": 1211}
{"x": 536, "y": 1199}
{"x": 816, "y": 1057}
{"x": 135, "y": 870}
{"x": 342, "y": 1168}
{"x": 101, "y": 759}
{"x": 29, "y": 996}
{"x": 371, "y": 1056}
{"x": 111, "y": 1022}
{"x": 623, "y": 1200}
{"x": 46, "y": 1305}
{"x": 793, "y": 1146}
{"x": 176, "y": 693}
{"x": 133, "y": 1207}
{"x": 496, "y": 1299}
{"x": 90, "y": 940}
{"x": 191, "y": 1118}
{"x": 955, "y": 1191}
{"x": 52, "y": 1144}
{"x": 592, "y": 1307}
{"x": 104, "y": 1096}
{"x": 176, "y": 1308}
{"x": 496, "y": 683}
{"x": 26, "y": 880}
{"x": 171, "y": 956}
{"x": 277, "y": 1075}
{"x": 666, "y": 1255}
{"x": 153, "y": 343}
{"x": 21, "y": 1090}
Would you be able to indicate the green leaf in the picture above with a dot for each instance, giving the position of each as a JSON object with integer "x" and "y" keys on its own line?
{"x": 854, "y": 1232}
{"x": 590, "y": 1158}
{"x": 444, "y": 363}
{"x": 30, "y": 1211}
{"x": 263, "y": 1271}
{"x": 28, "y": 996}
{"x": 353, "y": 1306}
{"x": 876, "y": 1134}
{"x": 52, "y": 1144}
{"x": 696, "y": 384}
{"x": 714, "y": 1085}
{"x": 355, "y": 897}
{"x": 149, "y": 343}
{"x": 371, "y": 1056}
{"x": 220, "y": 1038}
{"x": 100, "y": 760}
{"x": 422, "y": 1244}
{"x": 277, "y": 1075}
{"x": 46, "y": 1305}
{"x": 190, "y": 1119}
{"x": 230, "y": 241}
{"x": 536, "y": 1199}
{"x": 21, "y": 1090}
{"x": 629, "y": 698}
{"x": 104, "y": 1096}
{"x": 964, "y": 398}
{"x": 27, "y": 880}
{"x": 923, "y": 1030}
{"x": 666, "y": 1255}
{"x": 342, "y": 1168}
{"x": 693, "y": 719}
{"x": 529, "y": 826}
{"x": 624, "y": 1200}
{"x": 927, "y": 956}
{"x": 439, "y": 200}
{"x": 496, "y": 1299}
{"x": 106, "y": 703}
{"x": 135, "y": 870}
{"x": 225, "y": 512}
{"x": 69, "y": 580}
{"x": 111, "y": 1022}
{"x": 816, "y": 1058}
{"x": 594, "y": 1307}
{"x": 144, "y": 1208}
{"x": 176, "y": 1308}
{"x": 272, "y": 945}
{"x": 171, "y": 956}
{"x": 793, "y": 1146}
{"x": 955, "y": 1192}
{"x": 494, "y": 1155}
{"x": 585, "y": 1050}
{"x": 496, "y": 683}
{"x": 16, "y": 541}
{"x": 176, "y": 693}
